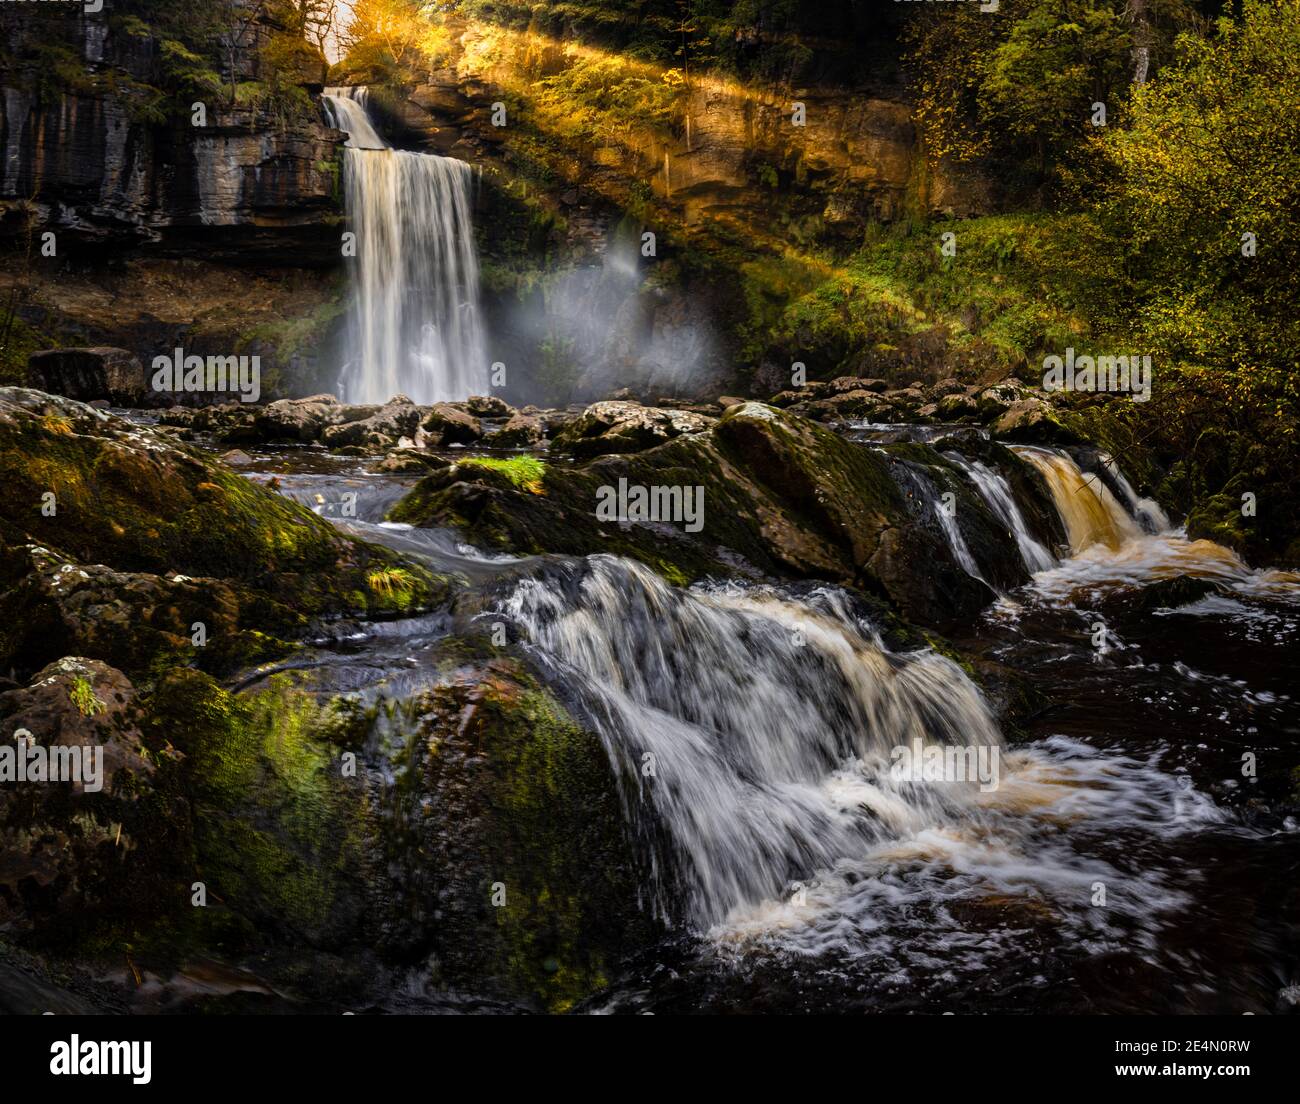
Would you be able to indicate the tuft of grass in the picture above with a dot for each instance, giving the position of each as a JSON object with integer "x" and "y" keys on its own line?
{"x": 82, "y": 695}
{"x": 525, "y": 472}
{"x": 393, "y": 583}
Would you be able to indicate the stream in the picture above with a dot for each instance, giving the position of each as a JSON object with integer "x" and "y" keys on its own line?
{"x": 1125, "y": 860}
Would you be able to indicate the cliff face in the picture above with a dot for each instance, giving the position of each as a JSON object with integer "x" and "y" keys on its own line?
{"x": 732, "y": 151}
{"x": 746, "y": 203}
{"x": 94, "y": 164}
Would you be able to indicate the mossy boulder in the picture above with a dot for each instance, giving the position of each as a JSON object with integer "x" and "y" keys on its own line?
{"x": 91, "y": 489}
{"x": 284, "y": 833}
{"x": 473, "y": 832}
{"x": 80, "y": 857}
{"x": 517, "y": 870}
{"x": 782, "y": 497}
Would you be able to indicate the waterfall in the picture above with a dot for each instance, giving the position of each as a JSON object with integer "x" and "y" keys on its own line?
{"x": 914, "y": 482}
{"x": 1091, "y": 514}
{"x": 759, "y": 730}
{"x": 996, "y": 492}
{"x": 1147, "y": 511}
{"x": 414, "y": 325}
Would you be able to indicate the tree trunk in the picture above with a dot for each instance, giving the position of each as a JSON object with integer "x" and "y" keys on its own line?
{"x": 1141, "y": 52}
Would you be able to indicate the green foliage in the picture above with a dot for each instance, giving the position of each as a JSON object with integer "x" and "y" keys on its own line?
{"x": 1212, "y": 154}
{"x": 610, "y": 97}
{"x": 524, "y": 472}
{"x": 82, "y": 695}
{"x": 1019, "y": 84}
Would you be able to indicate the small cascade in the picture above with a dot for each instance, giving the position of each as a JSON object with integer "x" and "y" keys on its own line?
{"x": 996, "y": 492}
{"x": 759, "y": 730}
{"x": 1091, "y": 514}
{"x": 915, "y": 482}
{"x": 415, "y": 326}
{"x": 1147, "y": 511}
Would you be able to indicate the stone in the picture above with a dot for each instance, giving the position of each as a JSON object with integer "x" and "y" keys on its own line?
{"x": 296, "y": 419}
{"x": 93, "y": 373}
{"x": 521, "y": 431}
{"x": 447, "y": 424}
{"x": 397, "y": 418}
{"x": 608, "y": 427}
{"x": 488, "y": 406}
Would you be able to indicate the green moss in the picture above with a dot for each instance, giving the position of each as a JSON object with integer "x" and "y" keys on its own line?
{"x": 524, "y": 472}
{"x": 525, "y": 803}
{"x": 82, "y": 695}
{"x": 20, "y": 341}
{"x": 172, "y": 510}
{"x": 278, "y": 828}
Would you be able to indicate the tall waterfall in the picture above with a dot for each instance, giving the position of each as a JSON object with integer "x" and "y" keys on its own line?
{"x": 760, "y": 729}
{"x": 414, "y": 327}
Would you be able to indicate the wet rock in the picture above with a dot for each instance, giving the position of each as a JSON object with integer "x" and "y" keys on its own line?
{"x": 521, "y": 431}
{"x": 996, "y": 400}
{"x": 784, "y": 399}
{"x": 610, "y": 427}
{"x": 236, "y": 458}
{"x": 957, "y": 405}
{"x": 948, "y": 386}
{"x": 95, "y": 373}
{"x": 159, "y": 518}
{"x": 488, "y": 406}
{"x": 79, "y": 855}
{"x": 449, "y": 425}
{"x": 382, "y": 429}
{"x": 1181, "y": 590}
{"x": 857, "y": 383}
{"x": 859, "y": 405}
{"x": 505, "y": 788}
{"x": 296, "y": 419}
{"x": 410, "y": 460}
{"x": 1028, "y": 419}
{"x": 781, "y": 496}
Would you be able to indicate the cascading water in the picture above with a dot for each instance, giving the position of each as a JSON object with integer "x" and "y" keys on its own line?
{"x": 414, "y": 327}
{"x": 1091, "y": 514}
{"x": 753, "y": 731}
{"x": 921, "y": 487}
{"x": 1147, "y": 511}
{"x": 996, "y": 492}
{"x": 770, "y": 723}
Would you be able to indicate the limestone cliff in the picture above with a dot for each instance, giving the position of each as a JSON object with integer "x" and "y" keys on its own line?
{"x": 94, "y": 154}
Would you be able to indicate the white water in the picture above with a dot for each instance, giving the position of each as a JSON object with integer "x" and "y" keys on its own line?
{"x": 414, "y": 327}
{"x": 1148, "y": 512}
{"x": 1111, "y": 550}
{"x": 770, "y": 723}
{"x": 996, "y": 492}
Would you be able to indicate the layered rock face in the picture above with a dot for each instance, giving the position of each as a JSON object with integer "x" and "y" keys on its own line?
{"x": 96, "y": 167}
{"x": 853, "y": 155}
